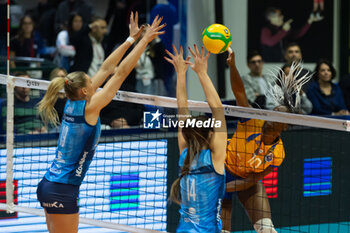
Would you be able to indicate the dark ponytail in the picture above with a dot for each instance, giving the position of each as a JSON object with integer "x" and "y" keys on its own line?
{"x": 196, "y": 139}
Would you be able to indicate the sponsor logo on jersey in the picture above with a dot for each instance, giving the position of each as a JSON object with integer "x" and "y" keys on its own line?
{"x": 192, "y": 210}
{"x": 68, "y": 118}
{"x": 269, "y": 157}
{"x": 59, "y": 158}
{"x": 218, "y": 209}
{"x": 55, "y": 170}
{"x": 79, "y": 170}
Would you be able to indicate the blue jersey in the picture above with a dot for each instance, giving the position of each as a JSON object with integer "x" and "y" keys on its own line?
{"x": 76, "y": 145}
{"x": 202, "y": 191}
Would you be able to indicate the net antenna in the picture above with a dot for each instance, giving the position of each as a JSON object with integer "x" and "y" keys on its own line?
{"x": 10, "y": 123}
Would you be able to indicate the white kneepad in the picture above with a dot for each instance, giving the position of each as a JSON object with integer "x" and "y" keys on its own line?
{"x": 264, "y": 225}
{"x": 272, "y": 230}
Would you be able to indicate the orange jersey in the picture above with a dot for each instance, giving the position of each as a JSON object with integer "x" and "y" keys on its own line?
{"x": 246, "y": 153}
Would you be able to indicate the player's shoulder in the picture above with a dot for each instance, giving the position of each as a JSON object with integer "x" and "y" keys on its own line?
{"x": 278, "y": 149}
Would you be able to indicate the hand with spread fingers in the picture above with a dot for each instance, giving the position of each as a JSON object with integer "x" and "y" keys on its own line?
{"x": 134, "y": 29}
{"x": 200, "y": 60}
{"x": 154, "y": 30}
{"x": 177, "y": 60}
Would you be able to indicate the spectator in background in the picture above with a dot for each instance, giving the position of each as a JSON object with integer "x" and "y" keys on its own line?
{"x": 142, "y": 7}
{"x": 46, "y": 13}
{"x": 326, "y": 97}
{"x": 66, "y": 7}
{"x": 170, "y": 17}
{"x": 345, "y": 87}
{"x": 273, "y": 34}
{"x": 293, "y": 54}
{"x": 40, "y": 9}
{"x": 119, "y": 114}
{"x": 156, "y": 52}
{"x": 27, "y": 42}
{"x": 169, "y": 12}
{"x": 255, "y": 82}
{"x": 117, "y": 20}
{"x": 66, "y": 51}
{"x": 58, "y": 72}
{"x": 89, "y": 49}
{"x": 26, "y": 120}
{"x": 16, "y": 13}
{"x": 305, "y": 103}
{"x": 149, "y": 76}
{"x": 116, "y": 114}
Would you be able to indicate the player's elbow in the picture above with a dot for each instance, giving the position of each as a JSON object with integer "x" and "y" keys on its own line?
{"x": 107, "y": 69}
{"x": 109, "y": 97}
{"x": 121, "y": 73}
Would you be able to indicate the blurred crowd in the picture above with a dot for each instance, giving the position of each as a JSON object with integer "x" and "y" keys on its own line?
{"x": 70, "y": 35}
{"x": 320, "y": 96}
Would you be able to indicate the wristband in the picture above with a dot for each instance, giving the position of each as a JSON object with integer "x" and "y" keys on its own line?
{"x": 130, "y": 40}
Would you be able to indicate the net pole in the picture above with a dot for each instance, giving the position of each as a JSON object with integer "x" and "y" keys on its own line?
{"x": 10, "y": 123}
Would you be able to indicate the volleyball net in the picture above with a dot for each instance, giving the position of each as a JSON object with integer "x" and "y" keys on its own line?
{"x": 127, "y": 186}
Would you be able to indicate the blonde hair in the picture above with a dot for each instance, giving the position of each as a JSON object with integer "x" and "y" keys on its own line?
{"x": 71, "y": 84}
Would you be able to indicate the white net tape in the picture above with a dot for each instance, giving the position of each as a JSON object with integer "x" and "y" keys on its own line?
{"x": 161, "y": 101}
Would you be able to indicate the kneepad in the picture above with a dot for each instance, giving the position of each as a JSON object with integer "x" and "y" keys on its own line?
{"x": 272, "y": 230}
{"x": 264, "y": 225}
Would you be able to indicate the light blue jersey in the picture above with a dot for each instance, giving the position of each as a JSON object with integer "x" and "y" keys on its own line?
{"x": 76, "y": 145}
{"x": 202, "y": 191}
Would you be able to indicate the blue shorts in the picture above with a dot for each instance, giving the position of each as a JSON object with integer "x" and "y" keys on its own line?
{"x": 229, "y": 178}
{"x": 57, "y": 198}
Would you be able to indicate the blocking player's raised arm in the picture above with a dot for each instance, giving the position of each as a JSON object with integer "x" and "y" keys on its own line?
{"x": 109, "y": 65}
{"x": 180, "y": 66}
{"x": 218, "y": 142}
{"x": 103, "y": 97}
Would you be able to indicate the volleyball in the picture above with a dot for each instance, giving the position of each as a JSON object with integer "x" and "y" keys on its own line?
{"x": 216, "y": 38}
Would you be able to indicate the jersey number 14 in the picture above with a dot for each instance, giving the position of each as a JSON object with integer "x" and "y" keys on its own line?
{"x": 191, "y": 189}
